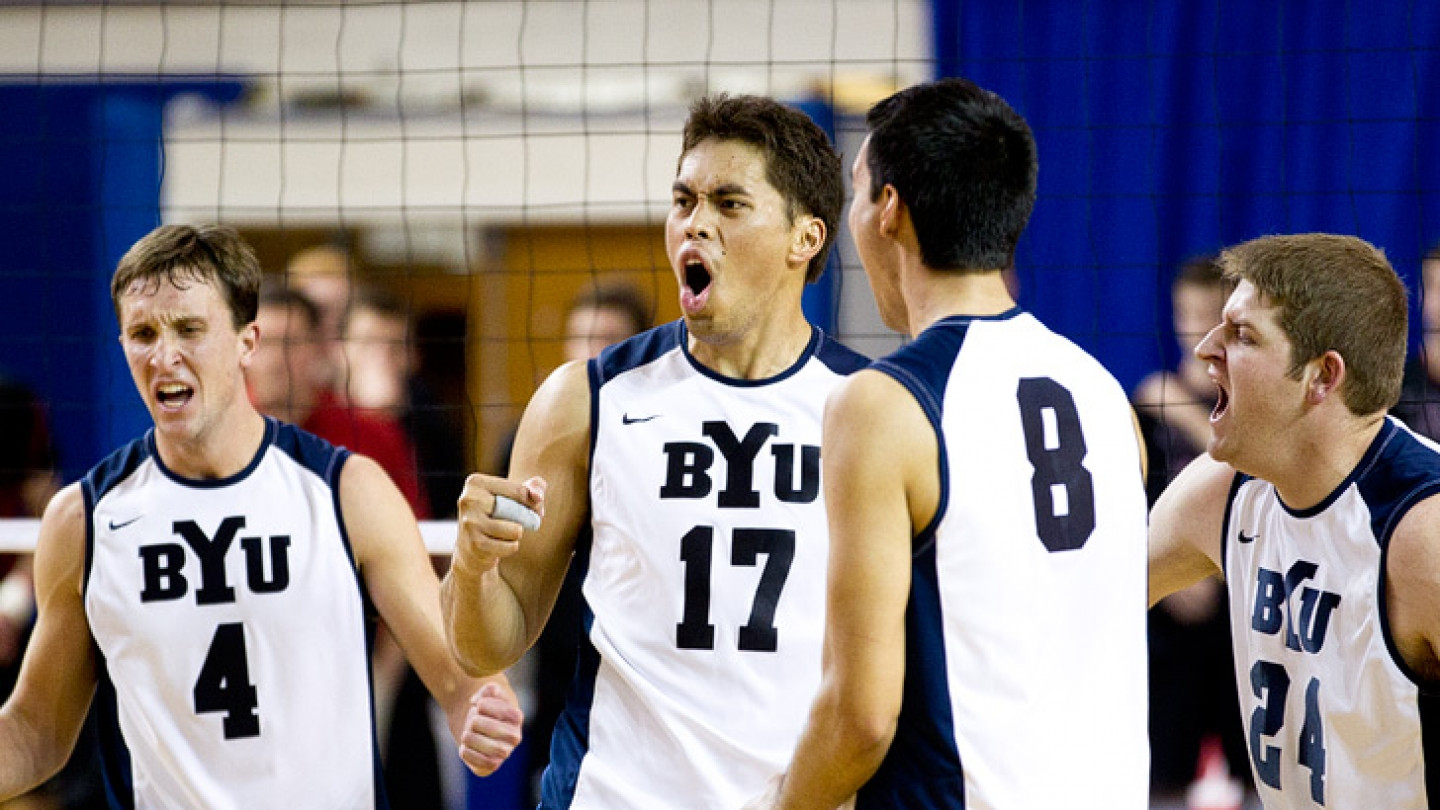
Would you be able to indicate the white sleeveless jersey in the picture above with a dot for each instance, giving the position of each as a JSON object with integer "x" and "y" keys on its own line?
{"x": 231, "y": 630}
{"x": 1334, "y": 718}
{"x": 703, "y": 583}
{"x": 1025, "y": 677}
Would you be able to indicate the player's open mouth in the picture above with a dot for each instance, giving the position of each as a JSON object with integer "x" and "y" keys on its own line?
{"x": 697, "y": 278}
{"x": 1222, "y": 403}
{"x": 695, "y": 292}
{"x": 173, "y": 396}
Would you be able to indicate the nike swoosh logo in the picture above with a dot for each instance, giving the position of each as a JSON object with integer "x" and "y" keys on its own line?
{"x": 1246, "y": 538}
{"x": 627, "y": 419}
{"x": 114, "y": 525}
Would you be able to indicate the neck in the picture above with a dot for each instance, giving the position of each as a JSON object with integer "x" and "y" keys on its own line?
{"x": 1319, "y": 463}
{"x": 220, "y": 452}
{"x": 758, "y": 353}
{"x": 931, "y": 295}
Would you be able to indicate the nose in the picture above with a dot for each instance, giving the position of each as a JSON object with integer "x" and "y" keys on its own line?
{"x": 698, "y": 225}
{"x": 1208, "y": 349}
{"x": 166, "y": 352}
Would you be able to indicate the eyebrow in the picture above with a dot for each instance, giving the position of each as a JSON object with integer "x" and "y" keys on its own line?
{"x": 723, "y": 190}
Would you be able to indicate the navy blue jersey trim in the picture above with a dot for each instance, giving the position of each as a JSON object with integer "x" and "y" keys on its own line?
{"x": 1402, "y": 474}
{"x": 90, "y": 502}
{"x": 308, "y": 450}
{"x": 923, "y": 367}
{"x": 214, "y": 483}
{"x": 116, "y": 467}
{"x": 1235, "y": 484}
{"x": 1367, "y": 463}
{"x": 115, "y": 768}
{"x": 570, "y": 740}
{"x": 98, "y": 482}
{"x": 922, "y": 768}
{"x": 634, "y": 352}
{"x": 709, "y": 373}
{"x": 838, "y": 357}
{"x": 1430, "y": 746}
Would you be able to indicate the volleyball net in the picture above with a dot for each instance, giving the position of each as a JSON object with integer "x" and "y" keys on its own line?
{"x": 483, "y": 163}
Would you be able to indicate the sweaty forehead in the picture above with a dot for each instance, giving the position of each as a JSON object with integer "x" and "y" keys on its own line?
{"x": 167, "y": 297}
{"x": 715, "y": 163}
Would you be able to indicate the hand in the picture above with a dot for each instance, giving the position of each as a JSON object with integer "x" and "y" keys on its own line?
{"x": 483, "y": 539}
{"x": 492, "y": 730}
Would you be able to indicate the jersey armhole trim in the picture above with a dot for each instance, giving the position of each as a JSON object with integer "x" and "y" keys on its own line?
{"x": 1427, "y": 686}
{"x": 1235, "y": 484}
{"x": 930, "y": 405}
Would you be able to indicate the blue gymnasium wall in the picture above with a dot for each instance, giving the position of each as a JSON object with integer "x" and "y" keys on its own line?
{"x": 80, "y": 169}
{"x": 1169, "y": 129}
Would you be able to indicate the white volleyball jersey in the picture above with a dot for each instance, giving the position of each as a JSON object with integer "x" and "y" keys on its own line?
{"x": 231, "y": 629}
{"x": 1334, "y": 718}
{"x": 1025, "y": 676}
{"x": 703, "y": 581}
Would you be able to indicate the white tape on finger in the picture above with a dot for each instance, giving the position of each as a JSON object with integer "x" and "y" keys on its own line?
{"x": 516, "y": 512}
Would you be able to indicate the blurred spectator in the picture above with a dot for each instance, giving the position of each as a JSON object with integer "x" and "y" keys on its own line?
{"x": 1419, "y": 404}
{"x": 324, "y": 274}
{"x": 1192, "y": 684}
{"x": 28, "y": 479}
{"x": 287, "y": 380}
{"x": 381, "y": 360}
{"x": 601, "y": 315}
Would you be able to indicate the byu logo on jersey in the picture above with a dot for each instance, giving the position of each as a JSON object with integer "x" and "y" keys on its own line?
{"x": 164, "y": 563}
{"x": 687, "y": 467}
{"x": 1275, "y": 609}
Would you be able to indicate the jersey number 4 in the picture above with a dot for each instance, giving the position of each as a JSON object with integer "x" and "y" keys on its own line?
{"x": 224, "y": 683}
{"x": 694, "y": 631}
{"x": 1062, "y": 488}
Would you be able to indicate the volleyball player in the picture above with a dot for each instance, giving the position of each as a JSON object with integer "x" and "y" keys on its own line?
{"x": 985, "y": 642}
{"x": 681, "y": 468}
{"x": 211, "y": 578}
{"x": 1322, "y": 515}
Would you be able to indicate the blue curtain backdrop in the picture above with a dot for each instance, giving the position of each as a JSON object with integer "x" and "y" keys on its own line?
{"x": 1168, "y": 129}
{"x": 81, "y": 165}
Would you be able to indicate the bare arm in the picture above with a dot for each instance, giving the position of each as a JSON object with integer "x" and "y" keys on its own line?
{"x": 870, "y": 423}
{"x": 406, "y": 592}
{"x": 503, "y": 580}
{"x": 41, "y": 721}
{"x": 1185, "y": 527}
{"x": 1413, "y": 593}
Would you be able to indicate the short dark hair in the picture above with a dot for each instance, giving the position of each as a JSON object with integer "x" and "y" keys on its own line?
{"x": 378, "y": 300}
{"x": 965, "y": 165}
{"x": 180, "y": 254}
{"x": 800, "y": 162}
{"x": 277, "y": 294}
{"x": 616, "y": 296}
{"x": 1202, "y": 271}
{"x": 1333, "y": 292}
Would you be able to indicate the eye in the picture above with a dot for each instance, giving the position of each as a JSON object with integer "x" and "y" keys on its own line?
{"x": 682, "y": 202}
{"x": 731, "y": 204}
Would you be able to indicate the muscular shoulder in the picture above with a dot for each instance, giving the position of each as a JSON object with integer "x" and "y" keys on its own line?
{"x": 873, "y": 422}
{"x": 557, "y": 420}
{"x": 60, "y": 549}
{"x": 1413, "y": 576}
